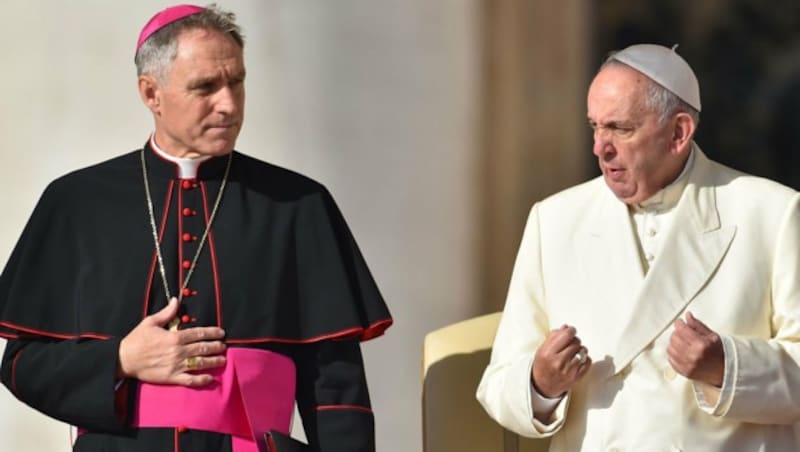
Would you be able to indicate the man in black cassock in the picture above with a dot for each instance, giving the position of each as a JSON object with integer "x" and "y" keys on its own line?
{"x": 149, "y": 269}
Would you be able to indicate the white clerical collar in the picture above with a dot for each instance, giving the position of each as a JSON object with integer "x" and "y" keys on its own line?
{"x": 668, "y": 197}
{"x": 187, "y": 166}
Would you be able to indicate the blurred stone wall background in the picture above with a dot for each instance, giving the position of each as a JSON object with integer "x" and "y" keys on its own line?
{"x": 436, "y": 124}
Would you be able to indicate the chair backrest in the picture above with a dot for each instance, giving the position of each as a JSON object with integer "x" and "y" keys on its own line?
{"x": 453, "y": 361}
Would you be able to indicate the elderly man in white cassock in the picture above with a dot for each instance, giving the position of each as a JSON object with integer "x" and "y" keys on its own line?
{"x": 656, "y": 307}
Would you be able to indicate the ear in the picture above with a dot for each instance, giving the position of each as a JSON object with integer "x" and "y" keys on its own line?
{"x": 682, "y": 133}
{"x": 150, "y": 92}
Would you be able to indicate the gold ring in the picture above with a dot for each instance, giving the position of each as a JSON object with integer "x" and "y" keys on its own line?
{"x": 192, "y": 362}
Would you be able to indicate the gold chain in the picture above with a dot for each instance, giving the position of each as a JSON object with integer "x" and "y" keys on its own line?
{"x": 174, "y": 323}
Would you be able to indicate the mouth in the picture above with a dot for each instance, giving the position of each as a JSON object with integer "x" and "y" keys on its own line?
{"x": 615, "y": 174}
{"x": 222, "y": 128}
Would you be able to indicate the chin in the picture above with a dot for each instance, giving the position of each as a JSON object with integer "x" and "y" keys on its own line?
{"x": 623, "y": 195}
{"x": 219, "y": 149}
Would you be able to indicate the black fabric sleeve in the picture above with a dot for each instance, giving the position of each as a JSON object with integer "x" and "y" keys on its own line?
{"x": 70, "y": 380}
{"x": 333, "y": 398}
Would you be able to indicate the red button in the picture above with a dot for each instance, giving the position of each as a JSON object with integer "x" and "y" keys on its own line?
{"x": 186, "y": 264}
{"x": 185, "y": 319}
{"x": 186, "y": 184}
{"x": 187, "y": 237}
{"x": 187, "y": 212}
{"x": 181, "y": 429}
{"x": 187, "y": 291}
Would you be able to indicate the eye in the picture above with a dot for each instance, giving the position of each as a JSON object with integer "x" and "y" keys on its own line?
{"x": 621, "y": 129}
{"x": 207, "y": 87}
{"x": 204, "y": 87}
{"x": 236, "y": 84}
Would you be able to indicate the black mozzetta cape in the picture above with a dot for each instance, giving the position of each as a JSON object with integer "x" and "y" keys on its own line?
{"x": 280, "y": 271}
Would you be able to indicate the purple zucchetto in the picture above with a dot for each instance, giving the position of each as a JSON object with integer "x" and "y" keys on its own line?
{"x": 164, "y": 18}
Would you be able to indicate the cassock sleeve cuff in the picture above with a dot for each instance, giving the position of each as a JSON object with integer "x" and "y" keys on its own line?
{"x": 717, "y": 401}
{"x": 553, "y": 408}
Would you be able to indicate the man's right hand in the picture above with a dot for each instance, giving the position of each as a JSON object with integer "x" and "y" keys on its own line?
{"x": 153, "y": 354}
{"x": 556, "y": 367}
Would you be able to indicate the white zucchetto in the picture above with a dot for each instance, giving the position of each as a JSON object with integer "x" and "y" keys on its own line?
{"x": 665, "y": 67}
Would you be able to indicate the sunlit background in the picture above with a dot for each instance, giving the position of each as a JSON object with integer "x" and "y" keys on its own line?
{"x": 435, "y": 124}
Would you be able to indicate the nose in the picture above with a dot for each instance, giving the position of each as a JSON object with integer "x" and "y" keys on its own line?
{"x": 227, "y": 101}
{"x": 602, "y": 143}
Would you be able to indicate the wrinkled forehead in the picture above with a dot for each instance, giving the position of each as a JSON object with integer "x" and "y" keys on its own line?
{"x": 206, "y": 54}
{"x": 617, "y": 89}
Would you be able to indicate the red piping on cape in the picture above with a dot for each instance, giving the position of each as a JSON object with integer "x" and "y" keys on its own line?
{"x": 363, "y": 334}
{"x": 164, "y": 214}
{"x": 36, "y": 332}
{"x": 344, "y": 407}
{"x": 181, "y": 270}
{"x": 14, "y": 372}
{"x": 8, "y": 335}
{"x": 214, "y": 271}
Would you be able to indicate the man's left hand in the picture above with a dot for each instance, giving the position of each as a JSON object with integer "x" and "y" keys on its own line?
{"x": 695, "y": 351}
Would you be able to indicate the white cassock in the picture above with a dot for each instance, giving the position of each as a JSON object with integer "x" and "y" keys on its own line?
{"x": 730, "y": 255}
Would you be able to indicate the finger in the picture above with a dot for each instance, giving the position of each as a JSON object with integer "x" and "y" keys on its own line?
{"x": 580, "y": 357}
{"x": 197, "y": 363}
{"x": 680, "y": 348}
{"x": 684, "y": 332}
{"x": 583, "y": 368}
{"x": 561, "y": 338}
{"x": 569, "y": 359}
{"x": 676, "y": 365}
{"x": 566, "y": 354}
{"x": 205, "y": 348}
{"x": 167, "y": 313}
{"x": 193, "y": 380}
{"x": 200, "y": 333}
{"x": 696, "y": 325}
{"x": 675, "y": 352}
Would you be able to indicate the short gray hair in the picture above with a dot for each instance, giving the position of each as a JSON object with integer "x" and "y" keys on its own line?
{"x": 157, "y": 53}
{"x": 659, "y": 99}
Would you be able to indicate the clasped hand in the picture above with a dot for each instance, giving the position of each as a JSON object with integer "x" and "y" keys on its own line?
{"x": 557, "y": 365}
{"x": 696, "y": 352}
{"x": 153, "y": 354}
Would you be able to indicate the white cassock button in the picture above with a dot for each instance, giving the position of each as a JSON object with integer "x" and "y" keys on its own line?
{"x": 669, "y": 373}
{"x": 651, "y": 232}
{"x": 649, "y": 257}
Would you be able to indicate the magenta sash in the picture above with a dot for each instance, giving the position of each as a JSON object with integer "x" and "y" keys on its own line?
{"x": 251, "y": 395}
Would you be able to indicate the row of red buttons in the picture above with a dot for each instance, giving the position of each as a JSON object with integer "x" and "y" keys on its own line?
{"x": 187, "y": 264}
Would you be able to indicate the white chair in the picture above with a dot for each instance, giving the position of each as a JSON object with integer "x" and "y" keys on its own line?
{"x": 453, "y": 361}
